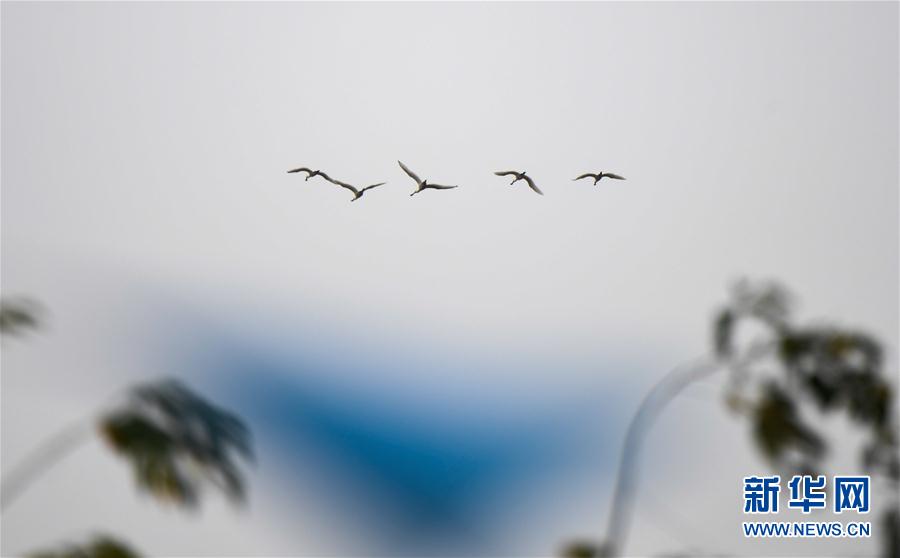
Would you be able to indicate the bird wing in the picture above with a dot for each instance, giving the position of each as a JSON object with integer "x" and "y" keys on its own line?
{"x": 325, "y": 176}
{"x": 410, "y": 173}
{"x": 342, "y": 184}
{"x": 372, "y": 186}
{"x": 506, "y": 173}
{"x": 439, "y": 187}
{"x": 586, "y": 175}
{"x": 615, "y": 176}
{"x": 532, "y": 185}
{"x": 301, "y": 169}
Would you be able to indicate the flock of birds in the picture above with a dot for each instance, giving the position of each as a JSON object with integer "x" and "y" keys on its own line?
{"x": 425, "y": 185}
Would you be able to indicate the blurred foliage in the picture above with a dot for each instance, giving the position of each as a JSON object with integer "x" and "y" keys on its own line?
{"x": 100, "y": 547}
{"x": 176, "y": 442}
{"x": 583, "y": 549}
{"x": 833, "y": 369}
{"x": 800, "y": 369}
{"x": 829, "y": 369}
{"x": 18, "y": 315}
{"x": 174, "y": 439}
{"x": 777, "y": 428}
{"x": 890, "y": 527}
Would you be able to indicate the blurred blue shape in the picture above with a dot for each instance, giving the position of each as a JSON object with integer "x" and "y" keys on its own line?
{"x": 406, "y": 469}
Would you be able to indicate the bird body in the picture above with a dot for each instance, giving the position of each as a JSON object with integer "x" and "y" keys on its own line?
{"x": 422, "y": 184}
{"x": 357, "y": 193}
{"x": 310, "y": 173}
{"x": 425, "y": 185}
{"x": 520, "y": 176}
{"x": 597, "y": 176}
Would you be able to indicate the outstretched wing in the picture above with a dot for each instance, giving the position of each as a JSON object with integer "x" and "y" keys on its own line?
{"x": 301, "y": 169}
{"x": 532, "y": 185}
{"x": 372, "y": 186}
{"x": 587, "y": 175}
{"x": 611, "y": 175}
{"x": 506, "y": 173}
{"x": 342, "y": 184}
{"x": 439, "y": 187}
{"x": 410, "y": 173}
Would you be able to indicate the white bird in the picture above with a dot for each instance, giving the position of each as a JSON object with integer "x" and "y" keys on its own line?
{"x": 520, "y": 176}
{"x": 357, "y": 193}
{"x": 599, "y": 175}
{"x": 309, "y": 173}
{"x": 422, "y": 184}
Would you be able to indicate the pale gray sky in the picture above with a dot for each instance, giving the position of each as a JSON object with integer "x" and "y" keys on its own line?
{"x": 144, "y": 153}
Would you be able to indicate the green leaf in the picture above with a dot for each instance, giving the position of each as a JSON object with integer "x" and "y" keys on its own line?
{"x": 176, "y": 442}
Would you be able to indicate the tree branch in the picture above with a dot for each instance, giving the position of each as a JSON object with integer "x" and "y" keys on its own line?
{"x": 659, "y": 396}
{"x": 42, "y": 458}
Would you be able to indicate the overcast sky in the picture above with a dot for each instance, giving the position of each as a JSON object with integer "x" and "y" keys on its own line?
{"x": 144, "y": 150}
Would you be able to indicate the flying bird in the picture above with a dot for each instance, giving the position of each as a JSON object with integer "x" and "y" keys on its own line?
{"x": 422, "y": 184}
{"x": 520, "y": 176}
{"x": 309, "y": 173}
{"x": 357, "y": 193}
{"x": 600, "y": 175}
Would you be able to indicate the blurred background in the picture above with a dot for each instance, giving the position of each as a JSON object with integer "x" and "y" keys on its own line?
{"x": 449, "y": 374}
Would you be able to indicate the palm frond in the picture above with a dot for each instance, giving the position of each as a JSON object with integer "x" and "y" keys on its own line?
{"x": 177, "y": 442}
